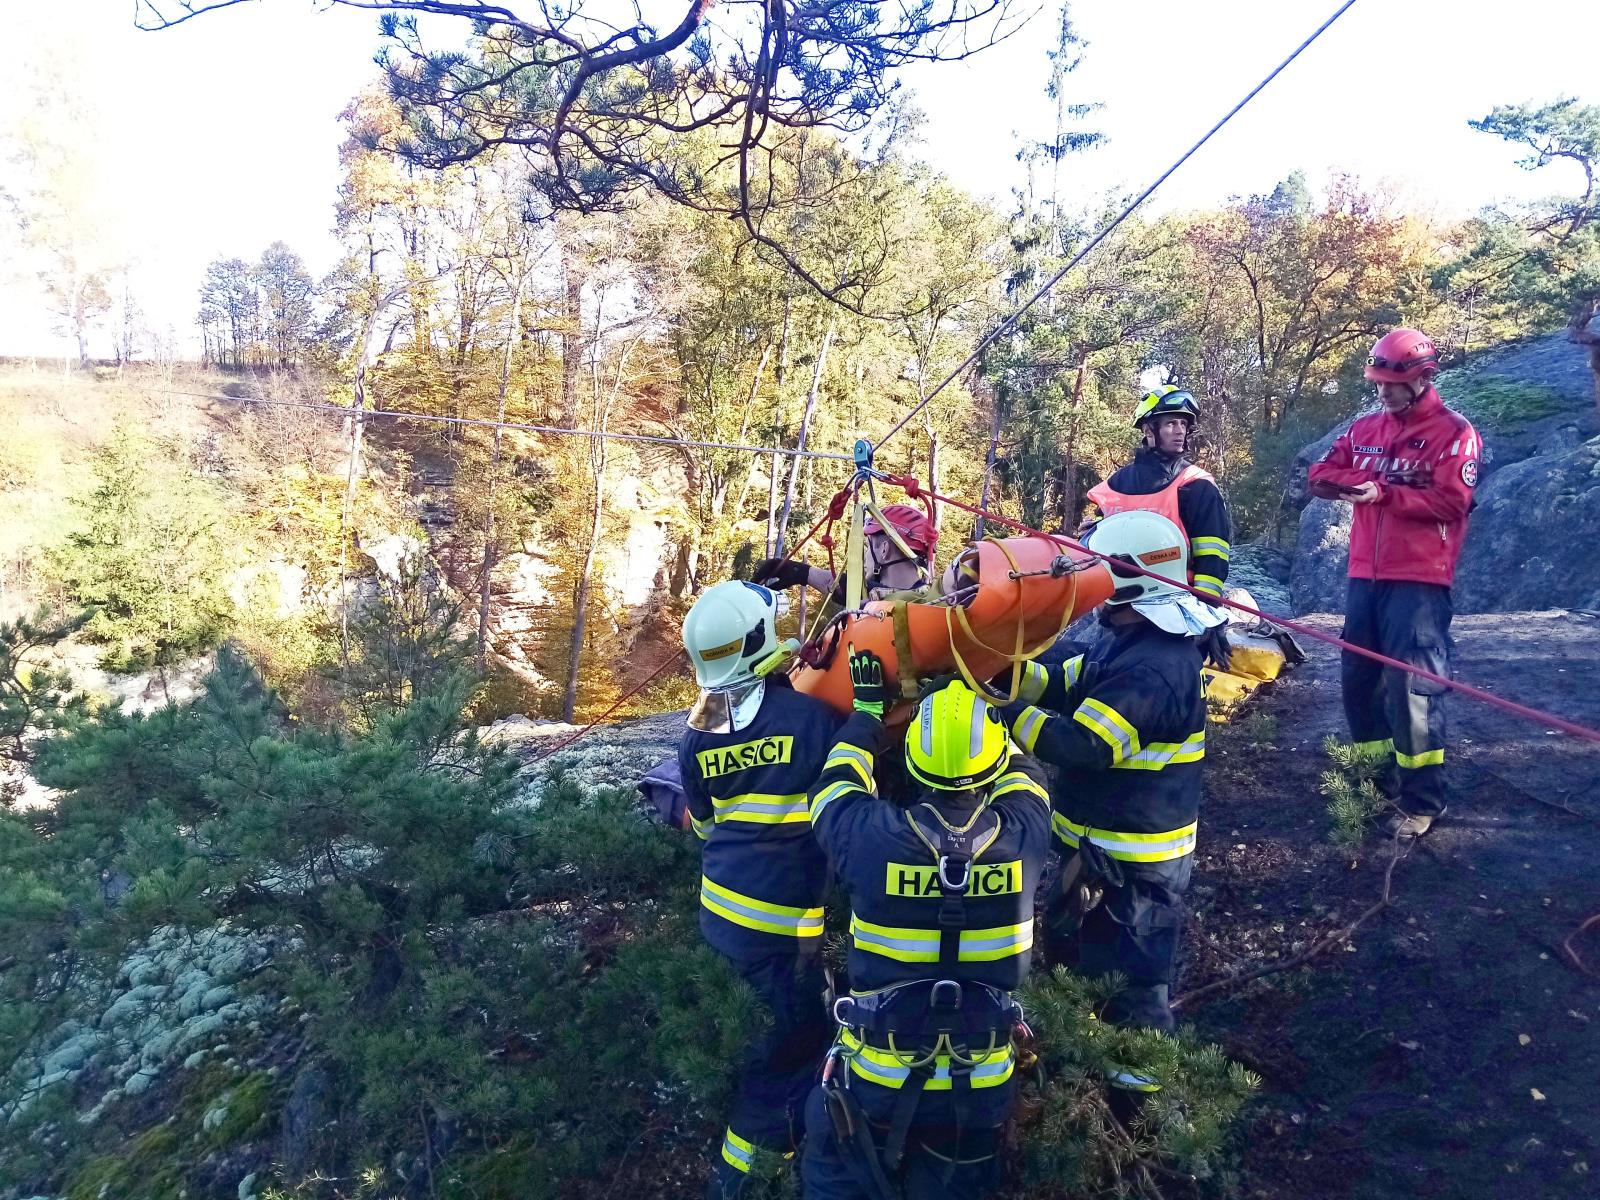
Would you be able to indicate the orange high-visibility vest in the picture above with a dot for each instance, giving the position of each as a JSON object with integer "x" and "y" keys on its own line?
{"x": 1164, "y": 502}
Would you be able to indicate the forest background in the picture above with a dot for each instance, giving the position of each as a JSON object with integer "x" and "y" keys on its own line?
{"x": 407, "y": 929}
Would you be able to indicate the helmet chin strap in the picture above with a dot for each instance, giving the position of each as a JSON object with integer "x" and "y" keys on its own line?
{"x": 1427, "y": 382}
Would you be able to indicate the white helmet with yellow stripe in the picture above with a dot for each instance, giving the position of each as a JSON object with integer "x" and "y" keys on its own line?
{"x": 1148, "y": 556}
{"x": 730, "y": 629}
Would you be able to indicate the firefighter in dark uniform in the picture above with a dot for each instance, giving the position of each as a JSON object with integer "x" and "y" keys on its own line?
{"x": 753, "y": 747}
{"x": 1409, "y": 471}
{"x": 1125, "y": 724}
{"x": 1161, "y": 479}
{"x": 919, "y": 1080}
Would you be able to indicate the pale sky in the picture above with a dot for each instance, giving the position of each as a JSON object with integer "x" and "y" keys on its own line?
{"x": 224, "y": 132}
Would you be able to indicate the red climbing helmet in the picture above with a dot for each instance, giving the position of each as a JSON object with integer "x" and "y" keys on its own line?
{"x": 1402, "y": 356}
{"x": 910, "y": 523}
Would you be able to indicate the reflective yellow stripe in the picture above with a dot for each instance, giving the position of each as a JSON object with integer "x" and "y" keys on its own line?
{"x": 737, "y": 1152}
{"x": 758, "y": 914}
{"x": 859, "y": 761}
{"x": 1210, "y": 545}
{"x": 740, "y": 1153}
{"x": 1073, "y": 668}
{"x": 1110, "y": 726}
{"x": 902, "y": 945}
{"x": 884, "y": 1068}
{"x": 1428, "y": 758}
{"x": 702, "y": 829}
{"x": 1003, "y": 941}
{"x": 1035, "y": 678}
{"x": 762, "y": 808}
{"x": 1158, "y": 755}
{"x": 1130, "y": 847}
{"x": 829, "y": 794}
{"x": 1207, "y": 583}
{"x": 922, "y": 945}
{"x": 1133, "y": 1082}
{"x": 1016, "y": 781}
{"x": 1027, "y": 726}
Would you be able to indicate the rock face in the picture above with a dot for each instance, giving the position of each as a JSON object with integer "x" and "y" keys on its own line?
{"x": 1538, "y": 507}
{"x": 1321, "y": 553}
{"x": 1263, "y": 570}
{"x": 1534, "y": 542}
{"x": 175, "y": 998}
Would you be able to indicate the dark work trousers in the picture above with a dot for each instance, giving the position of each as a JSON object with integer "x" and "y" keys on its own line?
{"x": 1135, "y": 930}
{"x": 1392, "y": 714}
{"x": 778, "y": 1068}
{"x": 941, "y": 1159}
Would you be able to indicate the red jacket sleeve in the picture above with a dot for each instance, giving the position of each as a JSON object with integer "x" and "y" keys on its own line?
{"x": 1449, "y": 496}
{"x": 1337, "y": 466}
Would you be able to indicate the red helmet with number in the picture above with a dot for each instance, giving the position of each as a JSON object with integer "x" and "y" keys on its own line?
{"x": 1402, "y": 356}
{"x": 910, "y": 523}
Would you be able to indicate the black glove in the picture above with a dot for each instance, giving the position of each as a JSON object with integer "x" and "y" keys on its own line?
{"x": 1215, "y": 646}
{"x": 780, "y": 573}
{"x": 866, "y": 678}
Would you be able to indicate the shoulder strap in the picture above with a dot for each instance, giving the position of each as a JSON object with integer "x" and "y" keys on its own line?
{"x": 954, "y": 852}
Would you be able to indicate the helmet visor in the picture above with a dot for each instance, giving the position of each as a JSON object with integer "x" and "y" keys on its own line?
{"x": 729, "y": 709}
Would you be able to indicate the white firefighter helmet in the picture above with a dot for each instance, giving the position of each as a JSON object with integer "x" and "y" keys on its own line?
{"x": 730, "y": 631}
{"x": 1155, "y": 544}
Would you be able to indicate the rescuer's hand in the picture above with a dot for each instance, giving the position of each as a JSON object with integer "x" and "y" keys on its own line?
{"x": 1363, "y": 493}
{"x": 866, "y": 679}
{"x": 1216, "y": 648}
{"x": 1417, "y": 477}
{"x": 780, "y": 573}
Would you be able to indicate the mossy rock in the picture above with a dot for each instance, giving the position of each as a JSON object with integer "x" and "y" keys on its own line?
{"x": 249, "y": 1103}
{"x": 149, "y": 1167}
{"x": 1496, "y": 401}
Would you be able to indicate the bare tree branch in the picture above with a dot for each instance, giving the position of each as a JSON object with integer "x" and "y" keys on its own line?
{"x": 601, "y": 110}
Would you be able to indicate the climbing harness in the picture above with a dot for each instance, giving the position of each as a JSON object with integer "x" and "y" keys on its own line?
{"x": 958, "y": 1033}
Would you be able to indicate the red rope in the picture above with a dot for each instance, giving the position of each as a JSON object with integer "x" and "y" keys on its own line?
{"x": 914, "y": 488}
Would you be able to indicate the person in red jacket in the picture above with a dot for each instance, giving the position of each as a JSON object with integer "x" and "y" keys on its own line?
{"x": 1409, "y": 471}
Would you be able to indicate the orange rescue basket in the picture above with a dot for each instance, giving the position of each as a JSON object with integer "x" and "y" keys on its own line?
{"x": 1018, "y": 610}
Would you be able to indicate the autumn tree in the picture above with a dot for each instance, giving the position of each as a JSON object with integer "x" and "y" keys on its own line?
{"x": 1315, "y": 282}
{"x": 1064, "y": 380}
{"x": 62, "y": 198}
{"x": 230, "y": 313}
{"x": 286, "y": 297}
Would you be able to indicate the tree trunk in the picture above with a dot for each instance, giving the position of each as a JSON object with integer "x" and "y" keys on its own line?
{"x": 989, "y": 461}
{"x": 744, "y": 430}
{"x": 571, "y": 337}
{"x": 780, "y": 375}
{"x": 1072, "y": 507}
{"x": 800, "y": 441}
{"x": 354, "y": 428}
{"x": 580, "y": 603}
{"x": 599, "y": 454}
{"x": 772, "y": 505}
{"x": 491, "y": 551}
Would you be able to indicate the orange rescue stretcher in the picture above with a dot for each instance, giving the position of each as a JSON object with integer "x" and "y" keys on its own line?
{"x": 1011, "y": 608}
